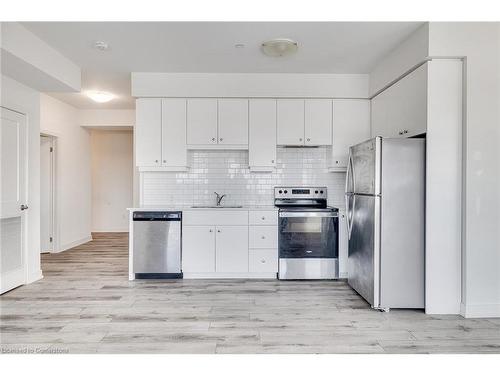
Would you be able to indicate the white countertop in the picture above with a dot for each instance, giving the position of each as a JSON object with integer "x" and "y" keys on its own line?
{"x": 191, "y": 208}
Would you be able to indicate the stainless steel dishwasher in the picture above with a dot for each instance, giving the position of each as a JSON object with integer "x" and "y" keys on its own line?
{"x": 157, "y": 244}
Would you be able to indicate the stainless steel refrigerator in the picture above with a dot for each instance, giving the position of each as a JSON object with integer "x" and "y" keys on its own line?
{"x": 385, "y": 209}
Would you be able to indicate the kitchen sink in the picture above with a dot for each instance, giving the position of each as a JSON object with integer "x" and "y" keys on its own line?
{"x": 214, "y": 206}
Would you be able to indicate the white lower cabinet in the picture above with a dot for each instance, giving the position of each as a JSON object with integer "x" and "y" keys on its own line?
{"x": 231, "y": 249}
{"x": 198, "y": 249}
{"x": 221, "y": 244}
{"x": 263, "y": 260}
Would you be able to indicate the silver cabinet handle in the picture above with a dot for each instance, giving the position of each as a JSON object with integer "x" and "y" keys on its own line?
{"x": 263, "y": 261}
{"x": 164, "y": 161}
{"x": 300, "y": 139}
{"x": 218, "y": 230}
{"x": 308, "y": 139}
{"x": 263, "y": 218}
{"x": 210, "y": 230}
{"x": 24, "y": 207}
{"x": 405, "y": 131}
{"x": 220, "y": 139}
{"x": 156, "y": 161}
{"x": 263, "y": 237}
{"x": 213, "y": 139}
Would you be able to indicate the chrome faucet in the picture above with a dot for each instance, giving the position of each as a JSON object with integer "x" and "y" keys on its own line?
{"x": 219, "y": 198}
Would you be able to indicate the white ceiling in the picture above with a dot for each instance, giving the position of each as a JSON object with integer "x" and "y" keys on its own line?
{"x": 208, "y": 47}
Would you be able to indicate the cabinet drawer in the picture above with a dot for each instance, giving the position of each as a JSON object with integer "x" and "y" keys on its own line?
{"x": 263, "y": 260}
{"x": 263, "y": 237}
{"x": 214, "y": 217}
{"x": 263, "y": 217}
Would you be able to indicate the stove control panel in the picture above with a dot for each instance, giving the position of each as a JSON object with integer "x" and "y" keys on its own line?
{"x": 300, "y": 192}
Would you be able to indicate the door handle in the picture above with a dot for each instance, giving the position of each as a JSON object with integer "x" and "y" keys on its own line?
{"x": 352, "y": 214}
{"x": 24, "y": 207}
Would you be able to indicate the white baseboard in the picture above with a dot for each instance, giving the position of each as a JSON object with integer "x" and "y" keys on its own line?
{"x": 35, "y": 276}
{"x": 487, "y": 310}
{"x": 229, "y": 275}
{"x": 343, "y": 275}
{"x": 72, "y": 244}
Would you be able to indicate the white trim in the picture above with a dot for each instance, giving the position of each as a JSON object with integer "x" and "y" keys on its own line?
{"x": 487, "y": 310}
{"x": 163, "y": 169}
{"x": 230, "y": 275}
{"x": 217, "y": 147}
{"x": 72, "y": 244}
{"x": 34, "y": 277}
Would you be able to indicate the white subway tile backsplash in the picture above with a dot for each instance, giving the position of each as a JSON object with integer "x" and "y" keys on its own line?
{"x": 227, "y": 173}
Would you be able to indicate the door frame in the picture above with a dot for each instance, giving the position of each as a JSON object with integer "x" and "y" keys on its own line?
{"x": 54, "y": 206}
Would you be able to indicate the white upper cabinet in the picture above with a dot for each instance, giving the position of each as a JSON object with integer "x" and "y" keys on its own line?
{"x": 401, "y": 109}
{"x": 262, "y": 134}
{"x": 304, "y": 122}
{"x": 233, "y": 122}
{"x": 148, "y": 137}
{"x": 318, "y": 122}
{"x": 290, "y": 115}
{"x": 351, "y": 125}
{"x": 173, "y": 125}
{"x": 202, "y": 121}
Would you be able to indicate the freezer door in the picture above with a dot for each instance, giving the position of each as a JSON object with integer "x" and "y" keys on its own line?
{"x": 364, "y": 247}
{"x": 365, "y": 167}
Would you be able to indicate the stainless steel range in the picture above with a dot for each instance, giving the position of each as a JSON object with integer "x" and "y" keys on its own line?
{"x": 307, "y": 233}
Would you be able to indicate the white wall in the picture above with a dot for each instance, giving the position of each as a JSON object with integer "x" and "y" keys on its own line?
{"x": 404, "y": 57}
{"x": 107, "y": 118}
{"x": 112, "y": 179}
{"x": 480, "y": 44}
{"x": 73, "y": 181}
{"x": 249, "y": 85}
{"x": 18, "y": 97}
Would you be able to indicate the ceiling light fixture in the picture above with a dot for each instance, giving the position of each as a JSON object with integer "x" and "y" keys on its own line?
{"x": 279, "y": 47}
{"x": 100, "y": 96}
{"x": 239, "y": 45}
{"x": 101, "y": 46}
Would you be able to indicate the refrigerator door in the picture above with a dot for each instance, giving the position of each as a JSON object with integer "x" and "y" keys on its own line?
{"x": 365, "y": 167}
{"x": 363, "y": 256}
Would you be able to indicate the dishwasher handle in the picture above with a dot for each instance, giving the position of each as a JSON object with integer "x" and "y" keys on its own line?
{"x": 157, "y": 216}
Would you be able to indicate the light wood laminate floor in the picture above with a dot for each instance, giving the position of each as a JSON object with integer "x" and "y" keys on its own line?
{"x": 85, "y": 304}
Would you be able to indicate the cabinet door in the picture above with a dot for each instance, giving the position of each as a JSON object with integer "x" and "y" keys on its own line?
{"x": 174, "y": 150}
{"x": 198, "y": 249}
{"x": 262, "y": 133}
{"x": 351, "y": 125}
{"x": 401, "y": 109}
{"x": 290, "y": 115}
{"x": 148, "y": 132}
{"x": 202, "y": 121}
{"x": 318, "y": 122}
{"x": 232, "y": 249}
{"x": 233, "y": 121}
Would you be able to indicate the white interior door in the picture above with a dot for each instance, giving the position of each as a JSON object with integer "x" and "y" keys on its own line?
{"x": 13, "y": 199}
{"x": 46, "y": 194}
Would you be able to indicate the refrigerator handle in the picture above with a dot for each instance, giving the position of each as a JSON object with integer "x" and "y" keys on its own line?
{"x": 349, "y": 227}
{"x": 349, "y": 175}
{"x": 347, "y": 213}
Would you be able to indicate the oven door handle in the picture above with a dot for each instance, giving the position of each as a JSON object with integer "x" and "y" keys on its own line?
{"x": 308, "y": 214}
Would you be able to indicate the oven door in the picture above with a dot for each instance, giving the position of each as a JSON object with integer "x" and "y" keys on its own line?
{"x": 308, "y": 234}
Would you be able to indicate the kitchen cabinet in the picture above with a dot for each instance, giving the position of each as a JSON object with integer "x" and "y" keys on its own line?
{"x": 173, "y": 133}
{"x": 232, "y": 122}
{"x": 318, "y": 122}
{"x": 304, "y": 122}
{"x": 198, "y": 248}
{"x": 401, "y": 109}
{"x": 262, "y": 135}
{"x": 351, "y": 125}
{"x": 231, "y": 249}
{"x": 148, "y": 133}
{"x": 160, "y": 134}
{"x": 290, "y": 122}
{"x": 215, "y": 244}
{"x": 202, "y": 121}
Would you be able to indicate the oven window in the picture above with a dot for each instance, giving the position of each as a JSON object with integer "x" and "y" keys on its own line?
{"x": 308, "y": 237}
